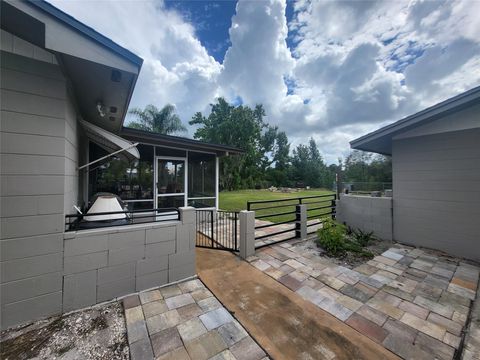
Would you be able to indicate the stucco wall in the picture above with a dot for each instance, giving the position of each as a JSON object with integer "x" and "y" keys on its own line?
{"x": 436, "y": 197}
{"x": 367, "y": 213}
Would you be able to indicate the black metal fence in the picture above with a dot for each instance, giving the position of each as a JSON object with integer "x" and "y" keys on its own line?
{"x": 76, "y": 222}
{"x": 217, "y": 229}
{"x": 284, "y": 211}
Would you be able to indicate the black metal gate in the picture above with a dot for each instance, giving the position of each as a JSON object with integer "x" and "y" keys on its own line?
{"x": 217, "y": 229}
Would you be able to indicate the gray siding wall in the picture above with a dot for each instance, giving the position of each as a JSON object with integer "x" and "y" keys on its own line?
{"x": 37, "y": 165}
{"x": 436, "y": 192}
{"x": 367, "y": 213}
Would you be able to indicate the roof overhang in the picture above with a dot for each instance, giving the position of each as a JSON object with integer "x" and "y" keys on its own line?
{"x": 380, "y": 141}
{"x": 100, "y": 71}
{"x": 177, "y": 142}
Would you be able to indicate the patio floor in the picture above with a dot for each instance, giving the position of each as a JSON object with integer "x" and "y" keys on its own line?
{"x": 185, "y": 321}
{"x": 284, "y": 324}
{"x": 412, "y": 301}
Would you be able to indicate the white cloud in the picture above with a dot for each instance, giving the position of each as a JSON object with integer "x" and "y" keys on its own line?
{"x": 355, "y": 66}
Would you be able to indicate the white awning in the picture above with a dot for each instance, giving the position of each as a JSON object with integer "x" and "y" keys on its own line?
{"x": 111, "y": 143}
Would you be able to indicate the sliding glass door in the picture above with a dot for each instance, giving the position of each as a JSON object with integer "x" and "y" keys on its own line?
{"x": 171, "y": 182}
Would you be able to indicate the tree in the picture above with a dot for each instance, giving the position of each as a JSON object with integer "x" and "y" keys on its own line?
{"x": 162, "y": 121}
{"x": 361, "y": 166}
{"x": 241, "y": 127}
{"x": 308, "y": 166}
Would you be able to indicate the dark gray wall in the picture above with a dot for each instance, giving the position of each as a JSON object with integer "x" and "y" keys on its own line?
{"x": 436, "y": 191}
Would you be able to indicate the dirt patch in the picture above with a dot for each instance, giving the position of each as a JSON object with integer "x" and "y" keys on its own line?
{"x": 95, "y": 333}
{"x": 349, "y": 259}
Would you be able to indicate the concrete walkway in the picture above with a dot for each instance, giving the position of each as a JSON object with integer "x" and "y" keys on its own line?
{"x": 284, "y": 324}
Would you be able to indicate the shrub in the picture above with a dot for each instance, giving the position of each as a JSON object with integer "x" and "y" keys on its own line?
{"x": 331, "y": 237}
{"x": 363, "y": 238}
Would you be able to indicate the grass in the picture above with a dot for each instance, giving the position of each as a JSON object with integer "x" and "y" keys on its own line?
{"x": 237, "y": 200}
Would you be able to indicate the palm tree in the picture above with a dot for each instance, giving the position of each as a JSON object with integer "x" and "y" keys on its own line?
{"x": 163, "y": 121}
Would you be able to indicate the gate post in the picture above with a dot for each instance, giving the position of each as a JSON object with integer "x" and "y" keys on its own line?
{"x": 247, "y": 233}
{"x": 301, "y": 221}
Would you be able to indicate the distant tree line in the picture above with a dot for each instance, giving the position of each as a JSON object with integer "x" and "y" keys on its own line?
{"x": 267, "y": 160}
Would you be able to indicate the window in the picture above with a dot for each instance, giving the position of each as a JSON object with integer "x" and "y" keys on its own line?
{"x": 201, "y": 180}
{"x": 132, "y": 181}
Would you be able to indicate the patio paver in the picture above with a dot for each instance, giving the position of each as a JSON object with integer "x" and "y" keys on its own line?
{"x": 184, "y": 321}
{"x": 284, "y": 324}
{"x": 412, "y": 301}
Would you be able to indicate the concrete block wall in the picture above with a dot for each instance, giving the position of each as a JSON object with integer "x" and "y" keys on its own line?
{"x": 367, "y": 213}
{"x": 102, "y": 264}
{"x": 34, "y": 139}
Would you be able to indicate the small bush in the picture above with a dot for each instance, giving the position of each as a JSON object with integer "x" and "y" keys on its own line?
{"x": 331, "y": 237}
{"x": 363, "y": 238}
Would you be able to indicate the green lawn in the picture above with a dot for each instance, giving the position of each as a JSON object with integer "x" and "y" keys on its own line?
{"x": 237, "y": 200}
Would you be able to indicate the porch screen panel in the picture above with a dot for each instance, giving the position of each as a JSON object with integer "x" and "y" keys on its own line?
{"x": 201, "y": 180}
{"x": 131, "y": 180}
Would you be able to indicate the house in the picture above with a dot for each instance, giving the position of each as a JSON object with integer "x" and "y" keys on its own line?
{"x": 436, "y": 175}
{"x": 65, "y": 91}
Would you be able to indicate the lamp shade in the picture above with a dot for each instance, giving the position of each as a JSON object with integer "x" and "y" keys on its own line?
{"x": 105, "y": 203}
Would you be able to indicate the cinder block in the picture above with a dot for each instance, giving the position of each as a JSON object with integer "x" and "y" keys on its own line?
{"x": 148, "y": 266}
{"x": 114, "y": 289}
{"x": 32, "y": 266}
{"x": 31, "y": 246}
{"x": 159, "y": 249}
{"x": 115, "y": 273}
{"x": 6, "y": 41}
{"x": 21, "y": 63}
{"x": 160, "y": 234}
{"x": 31, "y": 287}
{"x": 22, "y": 123}
{"x": 32, "y": 104}
{"x": 181, "y": 272}
{"x": 18, "y": 164}
{"x": 184, "y": 237}
{"x": 126, "y": 255}
{"x": 187, "y": 215}
{"x": 22, "y": 47}
{"x": 86, "y": 244}
{"x": 148, "y": 281}
{"x": 32, "y": 225}
{"x": 122, "y": 239}
{"x": 32, "y": 144}
{"x": 80, "y": 290}
{"x": 181, "y": 259}
{"x": 81, "y": 263}
{"x": 31, "y": 309}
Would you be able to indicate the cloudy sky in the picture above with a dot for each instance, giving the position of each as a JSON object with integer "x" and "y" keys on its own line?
{"x": 331, "y": 70}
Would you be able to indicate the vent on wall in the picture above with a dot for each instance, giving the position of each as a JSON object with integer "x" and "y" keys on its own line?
{"x": 116, "y": 76}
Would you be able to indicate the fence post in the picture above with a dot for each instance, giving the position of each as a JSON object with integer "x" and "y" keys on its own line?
{"x": 188, "y": 219}
{"x": 301, "y": 221}
{"x": 247, "y": 233}
{"x": 334, "y": 207}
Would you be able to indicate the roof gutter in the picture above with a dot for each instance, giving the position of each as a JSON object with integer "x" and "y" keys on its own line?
{"x": 431, "y": 113}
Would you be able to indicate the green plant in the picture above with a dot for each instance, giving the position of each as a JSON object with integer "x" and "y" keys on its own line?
{"x": 331, "y": 237}
{"x": 363, "y": 238}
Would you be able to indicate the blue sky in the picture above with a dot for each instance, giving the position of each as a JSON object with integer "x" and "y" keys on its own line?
{"x": 212, "y": 21}
{"x": 331, "y": 70}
